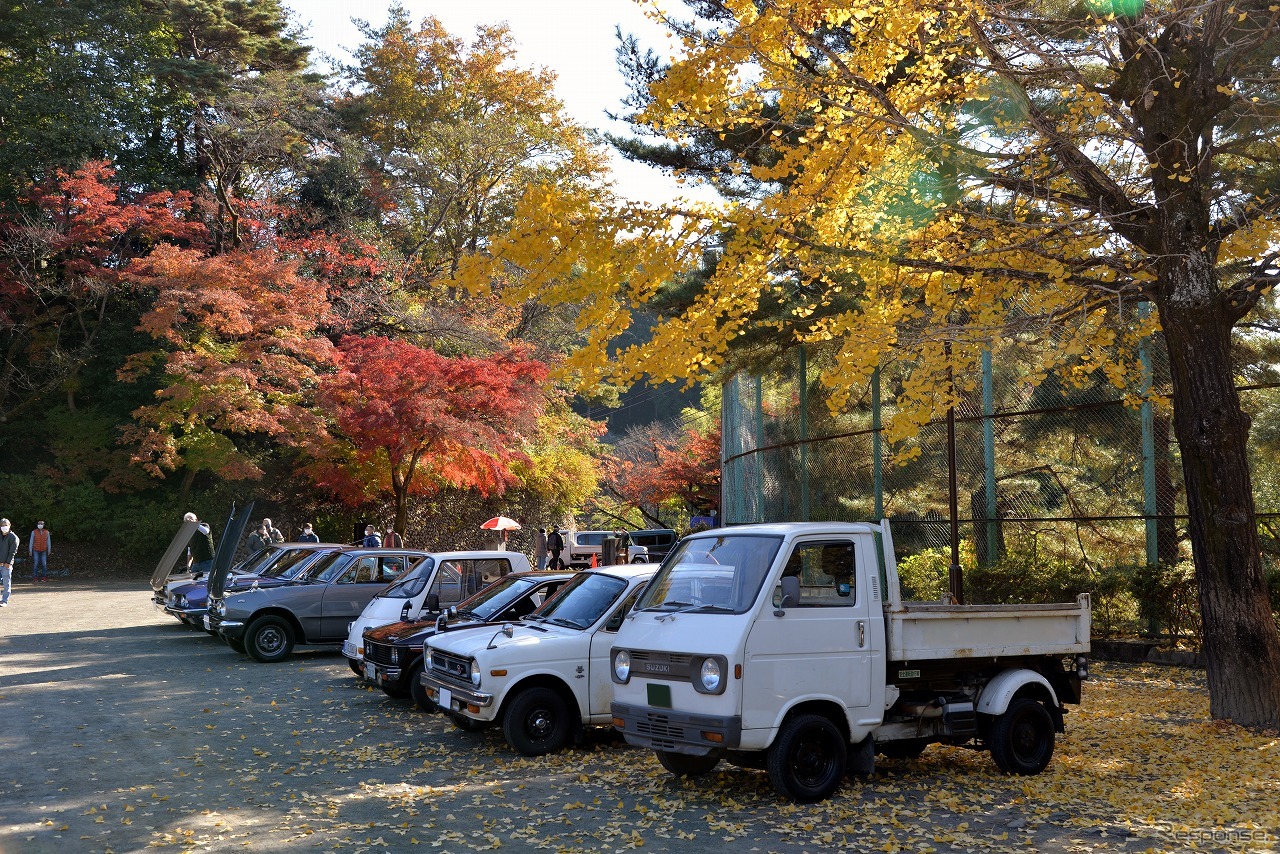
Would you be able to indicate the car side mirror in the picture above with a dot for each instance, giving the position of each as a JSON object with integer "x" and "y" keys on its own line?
{"x": 790, "y": 594}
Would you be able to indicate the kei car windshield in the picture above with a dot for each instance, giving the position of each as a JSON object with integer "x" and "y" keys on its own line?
{"x": 718, "y": 574}
{"x": 582, "y": 601}
{"x": 413, "y": 582}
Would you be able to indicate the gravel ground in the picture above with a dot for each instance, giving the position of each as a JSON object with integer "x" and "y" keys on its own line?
{"x": 122, "y": 730}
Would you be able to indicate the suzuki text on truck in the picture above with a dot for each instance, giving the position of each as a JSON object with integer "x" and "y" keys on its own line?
{"x": 788, "y": 647}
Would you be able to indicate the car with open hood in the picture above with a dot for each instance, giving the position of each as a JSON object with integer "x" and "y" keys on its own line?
{"x": 439, "y": 580}
{"x": 315, "y": 608}
{"x": 393, "y": 653}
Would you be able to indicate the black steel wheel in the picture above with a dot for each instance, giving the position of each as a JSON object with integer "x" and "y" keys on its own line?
{"x": 537, "y": 722}
{"x": 806, "y": 761}
{"x": 1022, "y": 738}
{"x": 269, "y": 639}
{"x": 418, "y": 691}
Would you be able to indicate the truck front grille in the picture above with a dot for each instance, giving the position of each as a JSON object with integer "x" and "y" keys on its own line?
{"x": 659, "y": 726}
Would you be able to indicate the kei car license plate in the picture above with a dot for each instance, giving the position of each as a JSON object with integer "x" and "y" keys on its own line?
{"x": 446, "y": 699}
{"x": 370, "y": 671}
{"x": 206, "y": 622}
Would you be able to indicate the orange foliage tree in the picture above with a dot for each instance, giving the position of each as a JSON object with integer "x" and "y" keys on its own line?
{"x": 655, "y": 465}
{"x": 413, "y": 422}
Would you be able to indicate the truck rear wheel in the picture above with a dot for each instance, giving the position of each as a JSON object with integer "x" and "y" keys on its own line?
{"x": 684, "y": 765}
{"x": 537, "y": 722}
{"x": 806, "y": 761}
{"x": 1021, "y": 739}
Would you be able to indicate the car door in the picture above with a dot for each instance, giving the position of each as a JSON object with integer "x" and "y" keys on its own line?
{"x": 821, "y": 646}
{"x": 599, "y": 682}
{"x": 347, "y": 594}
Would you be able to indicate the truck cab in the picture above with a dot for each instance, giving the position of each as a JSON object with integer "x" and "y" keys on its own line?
{"x": 788, "y": 647}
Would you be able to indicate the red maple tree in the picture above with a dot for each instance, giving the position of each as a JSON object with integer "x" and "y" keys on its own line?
{"x": 415, "y": 422}
{"x": 655, "y": 464}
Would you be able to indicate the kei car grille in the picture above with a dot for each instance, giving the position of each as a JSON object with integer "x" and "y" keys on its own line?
{"x": 659, "y": 726}
{"x": 377, "y": 653}
{"x": 451, "y": 666}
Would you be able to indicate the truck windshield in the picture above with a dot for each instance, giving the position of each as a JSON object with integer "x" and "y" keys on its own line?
{"x": 582, "y": 601}
{"x": 716, "y": 574}
{"x": 413, "y": 583}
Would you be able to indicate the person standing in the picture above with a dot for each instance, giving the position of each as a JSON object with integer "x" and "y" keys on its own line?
{"x": 391, "y": 539}
{"x": 200, "y": 550}
{"x": 40, "y": 546}
{"x": 259, "y": 540}
{"x": 371, "y": 539}
{"x": 276, "y": 536}
{"x": 555, "y": 545}
{"x": 308, "y": 535}
{"x": 540, "y": 548}
{"x": 8, "y": 551}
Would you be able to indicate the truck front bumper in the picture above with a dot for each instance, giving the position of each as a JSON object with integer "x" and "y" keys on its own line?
{"x": 459, "y": 698}
{"x": 676, "y": 732}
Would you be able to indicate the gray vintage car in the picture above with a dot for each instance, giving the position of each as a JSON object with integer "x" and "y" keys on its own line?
{"x": 314, "y": 608}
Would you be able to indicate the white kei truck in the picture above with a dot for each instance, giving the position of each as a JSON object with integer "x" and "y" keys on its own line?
{"x": 788, "y": 648}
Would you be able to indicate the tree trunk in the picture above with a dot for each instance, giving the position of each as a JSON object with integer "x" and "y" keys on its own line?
{"x": 1240, "y": 638}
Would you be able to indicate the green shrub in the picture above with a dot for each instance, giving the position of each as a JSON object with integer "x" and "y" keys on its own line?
{"x": 924, "y": 576}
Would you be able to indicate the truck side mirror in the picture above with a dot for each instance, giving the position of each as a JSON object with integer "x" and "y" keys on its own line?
{"x": 432, "y": 602}
{"x": 790, "y": 594}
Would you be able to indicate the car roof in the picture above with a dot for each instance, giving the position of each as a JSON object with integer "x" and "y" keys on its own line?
{"x": 360, "y": 550}
{"x": 474, "y": 553}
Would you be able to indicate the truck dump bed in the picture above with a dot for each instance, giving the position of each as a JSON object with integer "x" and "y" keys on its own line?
{"x": 926, "y": 630}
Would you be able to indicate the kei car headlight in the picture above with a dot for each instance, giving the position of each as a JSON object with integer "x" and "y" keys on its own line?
{"x": 709, "y": 677}
{"x": 621, "y": 666}
{"x": 475, "y": 673}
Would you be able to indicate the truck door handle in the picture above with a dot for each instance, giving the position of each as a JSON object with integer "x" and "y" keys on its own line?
{"x": 862, "y": 633}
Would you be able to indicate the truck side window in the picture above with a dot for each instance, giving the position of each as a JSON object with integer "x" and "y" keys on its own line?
{"x": 826, "y": 573}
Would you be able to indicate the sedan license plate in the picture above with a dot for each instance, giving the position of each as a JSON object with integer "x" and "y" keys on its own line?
{"x": 446, "y": 699}
{"x": 370, "y": 671}
{"x": 206, "y": 622}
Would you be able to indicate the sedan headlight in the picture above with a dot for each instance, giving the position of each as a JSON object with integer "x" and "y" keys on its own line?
{"x": 180, "y": 601}
{"x": 621, "y": 666}
{"x": 475, "y": 673}
{"x": 395, "y": 655}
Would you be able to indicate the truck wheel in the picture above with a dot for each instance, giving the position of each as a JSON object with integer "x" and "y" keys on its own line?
{"x": 806, "y": 761}
{"x": 536, "y": 722}
{"x": 418, "y": 691}
{"x": 269, "y": 639}
{"x": 1022, "y": 738}
{"x": 684, "y": 765}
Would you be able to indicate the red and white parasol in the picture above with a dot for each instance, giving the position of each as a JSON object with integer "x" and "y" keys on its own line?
{"x": 501, "y": 523}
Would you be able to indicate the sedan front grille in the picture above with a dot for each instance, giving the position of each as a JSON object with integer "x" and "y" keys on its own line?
{"x": 451, "y": 666}
{"x": 377, "y": 653}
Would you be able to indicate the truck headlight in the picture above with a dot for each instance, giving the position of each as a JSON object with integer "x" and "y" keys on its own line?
{"x": 621, "y": 666}
{"x": 710, "y": 676}
{"x": 475, "y": 673}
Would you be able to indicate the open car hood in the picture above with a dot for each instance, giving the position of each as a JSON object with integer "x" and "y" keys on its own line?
{"x": 226, "y": 552}
{"x": 177, "y": 547}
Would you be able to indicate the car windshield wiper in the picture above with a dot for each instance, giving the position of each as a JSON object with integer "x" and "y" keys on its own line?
{"x": 688, "y": 609}
{"x": 564, "y": 621}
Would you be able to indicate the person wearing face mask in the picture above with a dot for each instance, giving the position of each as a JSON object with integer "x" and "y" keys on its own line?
{"x": 8, "y": 551}
{"x": 40, "y": 546}
{"x": 308, "y": 535}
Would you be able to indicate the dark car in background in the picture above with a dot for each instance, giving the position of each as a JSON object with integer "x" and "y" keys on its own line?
{"x": 657, "y": 541}
{"x": 266, "y": 622}
{"x": 276, "y": 564}
{"x": 393, "y": 653}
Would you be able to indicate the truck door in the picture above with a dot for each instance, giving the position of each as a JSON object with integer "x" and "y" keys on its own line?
{"x": 822, "y": 646}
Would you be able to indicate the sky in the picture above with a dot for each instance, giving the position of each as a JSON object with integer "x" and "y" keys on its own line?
{"x": 574, "y": 38}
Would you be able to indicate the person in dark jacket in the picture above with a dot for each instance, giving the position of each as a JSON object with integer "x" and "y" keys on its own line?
{"x": 555, "y": 545}
{"x": 259, "y": 539}
{"x": 372, "y": 540}
{"x": 201, "y": 550}
{"x": 8, "y": 551}
{"x": 308, "y": 535}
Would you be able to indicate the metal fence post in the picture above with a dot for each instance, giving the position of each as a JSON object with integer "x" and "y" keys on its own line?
{"x": 989, "y": 454}
{"x": 1149, "y": 506}
{"x": 877, "y": 467}
{"x": 758, "y": 516}
{"x": 804, "y": 435}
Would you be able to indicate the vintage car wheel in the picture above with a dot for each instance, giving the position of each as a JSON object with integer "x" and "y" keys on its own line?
{"x": 418, "y": 691}
{"x": 806, "y": 761}
{"x": 1022, "y": 738}
{"x": 235, "y": 644}
{"x": 537, "y": 722}
{"x": 465, "y": 723}
{"x": 269, "y": 639}
{"x": 393, "y": 690}
{"x": 355, "y": 667}
{"x": 684, "y": 765}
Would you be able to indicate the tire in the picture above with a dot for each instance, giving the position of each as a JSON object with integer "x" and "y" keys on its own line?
{"x": 395, "y": 692}
{"x": 902, "y": 749}
{"x": 537, "y": 722}
{"x": 269, "y": 639}
{"x": 355, "y": 667}
{"x": 807, "y": 760}
{"x": 418, "y": 691}
{"x": 1022, "y": 738}
{"x": 465, "y": 723}
{"x": 236, "y": 645}
{"x": 684, "y": 765}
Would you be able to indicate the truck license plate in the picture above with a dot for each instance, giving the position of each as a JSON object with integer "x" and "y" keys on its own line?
{"x": 659, "y": 696}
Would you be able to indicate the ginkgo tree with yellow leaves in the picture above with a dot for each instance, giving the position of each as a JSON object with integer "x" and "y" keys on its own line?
{"x": 914, "y": 182}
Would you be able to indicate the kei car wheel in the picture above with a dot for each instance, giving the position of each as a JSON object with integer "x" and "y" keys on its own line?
{"x": 684, "y": 765}
{"x": 806, "y": 761}
{"x": 418, "y": 691}
{"x": 1022, "y": 738}
{"x": 465, "y": 723}
{"x": 536, "y": 722}
{"x": 269, "y": 639}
